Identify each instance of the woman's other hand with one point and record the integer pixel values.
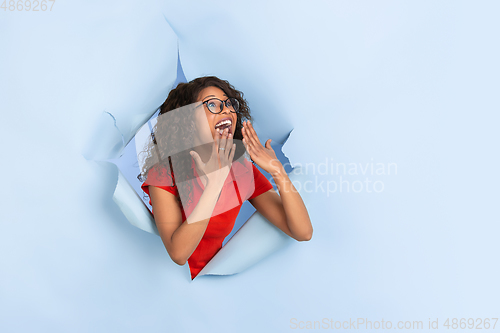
(216, 170)
(265, 157)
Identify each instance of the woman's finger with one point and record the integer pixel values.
(197, 159)
(222, 146)
(248, 147)
(217, 153)
(229, 144)
(215, 149)
(245, 144)
(251, 139)
(244, 131)
(231, 156)
(222, 142)
(253, 134)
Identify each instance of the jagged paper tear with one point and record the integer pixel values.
(132, 206)
(255, 240)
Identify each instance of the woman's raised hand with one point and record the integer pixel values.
(265, 157)
(216, 170)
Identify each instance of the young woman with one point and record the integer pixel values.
(195, 188)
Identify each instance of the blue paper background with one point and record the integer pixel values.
(413, 83)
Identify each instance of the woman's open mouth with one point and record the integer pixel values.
(223, 124)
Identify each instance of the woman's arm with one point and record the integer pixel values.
(181, 239)
(287, 210)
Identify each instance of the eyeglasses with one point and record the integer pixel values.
(216, 106)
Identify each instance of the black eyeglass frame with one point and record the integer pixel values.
(234, 110)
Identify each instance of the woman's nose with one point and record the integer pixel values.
(225, 109)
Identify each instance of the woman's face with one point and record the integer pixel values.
(217, 122)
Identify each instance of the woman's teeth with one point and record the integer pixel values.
(226, 122)
(220, 127)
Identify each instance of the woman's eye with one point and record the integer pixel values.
(211, 104)
(234, 104)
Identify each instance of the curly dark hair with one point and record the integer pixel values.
(185, 94)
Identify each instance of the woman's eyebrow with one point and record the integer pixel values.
(214, 96)
(208, 96)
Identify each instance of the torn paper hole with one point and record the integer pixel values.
(257, 239)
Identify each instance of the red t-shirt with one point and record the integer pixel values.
(244, 182)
